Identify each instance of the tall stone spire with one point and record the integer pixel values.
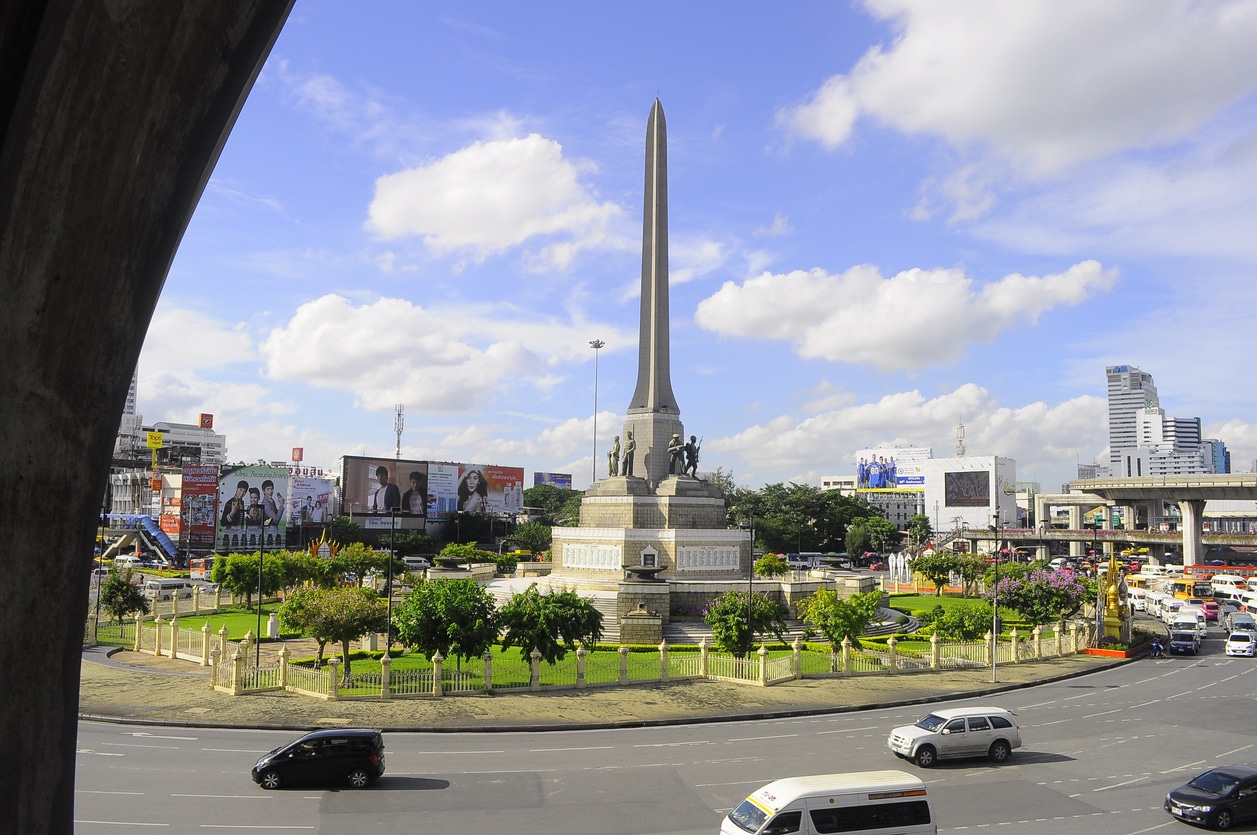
(653, 416)
(654, 376)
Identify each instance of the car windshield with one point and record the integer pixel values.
(1215, 782)
(931, 722)
(748, 816)
(1241, 638)
(1183, 636)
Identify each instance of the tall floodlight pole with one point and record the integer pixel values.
(392, 555)
(257, 646)
(995, 599)
(596, 344)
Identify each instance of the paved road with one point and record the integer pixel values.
(1101, 751)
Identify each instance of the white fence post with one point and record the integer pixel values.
(934, 651)
(205, 643)
(534, 682)
(139, 628)
(1060, 637)
(763, 665)
(623, 664)
(663, 660)
(157, 636)
(386, 664)
(283, 667)
(215, 658)
(990, 649)
(1038, 643)
(488, 670)
(1012, 636)
(333, 680)
(580, 667)
(891, 654)
(846, 656)
(437, 684)
(703, 657)
(796, 660)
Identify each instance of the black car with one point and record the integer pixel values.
(1219, 798)
(1184, 643)
(354, 756)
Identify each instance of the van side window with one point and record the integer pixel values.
(784, 823)
(874, 816)
(1000, 722)
(956, 726)
(979, 723)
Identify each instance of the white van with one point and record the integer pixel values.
(1227, 585)
(1170, 608)
(1248, 601)
(167, 588)
(1190, 620)
(1154, 602)
(854, 803)
(1150, 570)
(1138, 599)
(126, 561)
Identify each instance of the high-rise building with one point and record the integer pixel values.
(1130, 392)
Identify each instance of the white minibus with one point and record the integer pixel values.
(1138, 599)
(1154, 603)
(167, 588)
(854, 803)
(1227, 585)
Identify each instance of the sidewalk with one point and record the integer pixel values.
(129, 687)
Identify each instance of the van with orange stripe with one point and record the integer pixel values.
(853, 803)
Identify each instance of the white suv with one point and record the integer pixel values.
(958, 732)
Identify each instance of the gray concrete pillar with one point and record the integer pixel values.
(1192, 510)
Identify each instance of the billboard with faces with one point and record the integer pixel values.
(489, 488)
(309, 500)
(378, 485)
(198, 504)
(252, 512)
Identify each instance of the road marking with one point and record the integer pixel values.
(735, 783)
(1176, 695)
(435, 753)
(1181, 767)
(590, 748)
(1234, 750)
(1119, 785)
(1103, 713)
(118, 823)
(99, 791)
(252, 826)
(227, 796)
(159, 736)
(672, 744)
(1040, 704)
(757, 738)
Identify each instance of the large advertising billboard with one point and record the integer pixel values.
(310, 500)
(488, 488)
(252, 508)
(891, 468)
(563, 480)
(378, 485)
(971, 488)
(199, 505)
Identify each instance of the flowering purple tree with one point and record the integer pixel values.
(1042, 596)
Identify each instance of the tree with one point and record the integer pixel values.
(533, 536)
(344, 530)
(771, 565)
(238, 574)
(963, 621)
(453, 617)
(971, 568)
(550, 623)
(857, 540)
(338, 616)
(120, 597)
(1042, 596)
(553, 505)
(799, 517)
(727, 617)
(883, 535)
(919, 528)
(937, 568)
(837, 619)
(356, 561)
(298, 615)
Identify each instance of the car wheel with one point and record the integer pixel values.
(926, 756)
(999, 751)
(1222, 819)
(359, 778)
(271, 780)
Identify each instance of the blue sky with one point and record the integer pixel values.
(886, 218)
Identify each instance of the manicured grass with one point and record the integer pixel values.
(237, 620)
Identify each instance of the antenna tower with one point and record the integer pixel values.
(960, 439)
(398, 423)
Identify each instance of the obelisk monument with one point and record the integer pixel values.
(653, 416)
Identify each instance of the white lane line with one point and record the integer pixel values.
(670, 744)
(159, 747)
(101, 791)
(1040, 704)
(252, 827)
(116, 823)
(757, 738)
(1234, 750)
(590, 748)
(227, 796)
(437, 753)
(850, 730)
(736, 783)
(1176, 695)
(1119, 785)
(1103, 713)
(1181, 767)
(159, 736)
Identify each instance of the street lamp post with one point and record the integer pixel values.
(995, 600)
(392, 555)
(257, 646)
(596, 344)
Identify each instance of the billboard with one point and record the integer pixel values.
(890, 468)
(443, 485)
(199, 505)
(971, 488)
(377, 485)
(488, 488)
(563, 480)
(252, 508)
(309, 500)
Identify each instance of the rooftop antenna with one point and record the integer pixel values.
(398, 423)
(960, 439)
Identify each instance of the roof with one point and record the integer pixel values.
(780, 793)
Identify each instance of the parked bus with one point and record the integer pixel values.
(200, 567)
(1185, 587)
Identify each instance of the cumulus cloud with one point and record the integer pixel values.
(1045, 83)
(1044, 439)
(180, 340)
(826, 316)
(446, 361)
(492, 196)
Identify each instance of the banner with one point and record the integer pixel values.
(443, 484)
(563, 480)
(309, 500)
(199, 505)
(252, 509)
(488, 488)
(377, 485)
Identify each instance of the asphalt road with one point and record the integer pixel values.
(1100, 753)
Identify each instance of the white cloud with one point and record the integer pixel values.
(827, 316)
(1044, 439)
(779, 226)
(492, 196)
(440, 361)
(180, 340)
(1045, 83)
